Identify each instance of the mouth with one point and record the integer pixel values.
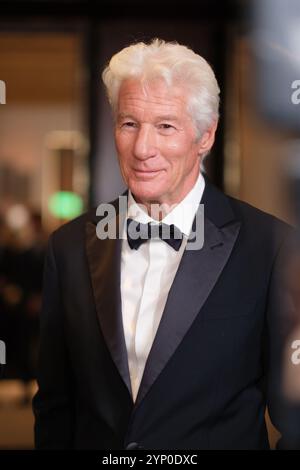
(146, 173)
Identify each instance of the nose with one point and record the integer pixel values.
(145, 143)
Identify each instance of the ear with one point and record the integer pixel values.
(206, 142)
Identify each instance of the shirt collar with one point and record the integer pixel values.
(182, 215)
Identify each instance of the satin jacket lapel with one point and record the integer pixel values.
(197, 274)
(104, 259)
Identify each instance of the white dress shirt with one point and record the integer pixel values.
(146, 278)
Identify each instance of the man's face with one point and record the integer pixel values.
(156, 141)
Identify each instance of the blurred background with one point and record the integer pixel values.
(57, 156)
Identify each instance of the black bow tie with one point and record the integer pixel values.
(138, 233)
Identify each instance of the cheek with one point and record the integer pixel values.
(119, 143)
(123, 149)
(174, 145)
(177, 151)
(182, 157)
(180, 142)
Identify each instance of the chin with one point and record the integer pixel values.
(145, 191)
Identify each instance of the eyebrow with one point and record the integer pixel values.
(167, 117)
(125, 116)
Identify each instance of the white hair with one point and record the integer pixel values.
(176, 64)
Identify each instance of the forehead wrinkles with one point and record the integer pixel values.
(152, 103)
(153, 92)
(138, 102)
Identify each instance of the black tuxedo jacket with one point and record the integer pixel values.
(213, 364)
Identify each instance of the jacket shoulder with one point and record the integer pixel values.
(250, 214)
(260, 227)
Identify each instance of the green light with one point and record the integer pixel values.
(65, 205)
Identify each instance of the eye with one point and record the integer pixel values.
(166, 129)
(166, 126)
(129, 124)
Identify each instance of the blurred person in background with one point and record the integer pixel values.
(146, 344)
(21, 268)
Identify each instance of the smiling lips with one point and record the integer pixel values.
(146, 173)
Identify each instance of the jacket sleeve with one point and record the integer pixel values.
(52, 404)
(282, 321)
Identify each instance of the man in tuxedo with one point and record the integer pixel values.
(153, 341)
